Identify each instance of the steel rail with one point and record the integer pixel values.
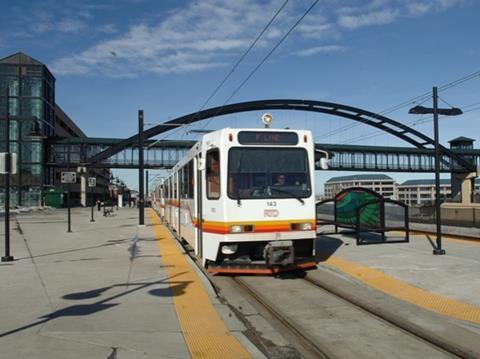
(307, 347)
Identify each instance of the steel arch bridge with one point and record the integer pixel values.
(380, 122)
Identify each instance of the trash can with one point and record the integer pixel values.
(54, 197)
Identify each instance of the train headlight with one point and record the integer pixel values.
(306, 226)
(237, 228)
(229, 248)
(241, 228)
(267, 119)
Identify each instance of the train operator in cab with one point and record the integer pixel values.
(280, 180)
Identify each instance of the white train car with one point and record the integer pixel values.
(244, 201)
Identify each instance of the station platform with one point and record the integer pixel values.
(109, 289)
(437, 295)
(455, 275)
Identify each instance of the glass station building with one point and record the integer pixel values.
(31, 96)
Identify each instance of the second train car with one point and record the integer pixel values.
(244, 200)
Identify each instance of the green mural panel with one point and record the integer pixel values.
(348, 202)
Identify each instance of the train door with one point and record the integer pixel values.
(187, 205)
(199, 168)
(169, 201)
(211, 204)
(179, 201)
(160, 200)
(175, 202)
(170, 219)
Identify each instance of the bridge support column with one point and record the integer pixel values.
(463, 186)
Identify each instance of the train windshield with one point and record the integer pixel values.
(268, 173)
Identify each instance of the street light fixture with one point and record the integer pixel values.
(420, 110)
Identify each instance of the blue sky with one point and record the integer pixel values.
(111, 58)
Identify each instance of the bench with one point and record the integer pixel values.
(108, 208)
(107, 212)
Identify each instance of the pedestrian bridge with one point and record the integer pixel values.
(166, 153)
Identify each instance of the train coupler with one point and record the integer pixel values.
(279, 253)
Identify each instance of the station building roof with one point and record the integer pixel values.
(462, 139)
(428, 181)
(363, 177)
(424, 182)
(20, 58)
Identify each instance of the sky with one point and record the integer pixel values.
(112, 58)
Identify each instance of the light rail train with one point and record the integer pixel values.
(244, 200)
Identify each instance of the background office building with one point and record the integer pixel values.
(380, 183)
(31, 96)
(421, 192)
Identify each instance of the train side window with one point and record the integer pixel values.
(213, 174)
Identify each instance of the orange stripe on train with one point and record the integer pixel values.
(258, 227)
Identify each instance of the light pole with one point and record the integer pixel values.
(7, 257)
(420, 110)
(140, 169)
(69, 215)
(146, 185)
(92, 199)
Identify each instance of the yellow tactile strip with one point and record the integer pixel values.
(407, 292)
(204, 331)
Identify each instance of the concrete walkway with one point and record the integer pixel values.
(98, 292)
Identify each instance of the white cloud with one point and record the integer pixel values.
(107, 29)
(48, 18)
(317, 30)
(71, 25)
(213, 33)
(190, 39)
(381, 17)
(328, 49)
(381, 12)
(417, 8)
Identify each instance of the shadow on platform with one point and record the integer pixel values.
(173, 289)
(325, 246)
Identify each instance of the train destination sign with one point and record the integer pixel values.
(267, 138)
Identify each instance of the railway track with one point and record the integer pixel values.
(306, 345)
(330, 335)
(338, 327)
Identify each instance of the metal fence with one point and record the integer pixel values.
(451, 216)
(459, 217)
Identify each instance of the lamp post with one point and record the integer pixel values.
(7, 257)
(420, 110)
(92, 197)
(140, 169)
(146, 186)
(69, 214)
